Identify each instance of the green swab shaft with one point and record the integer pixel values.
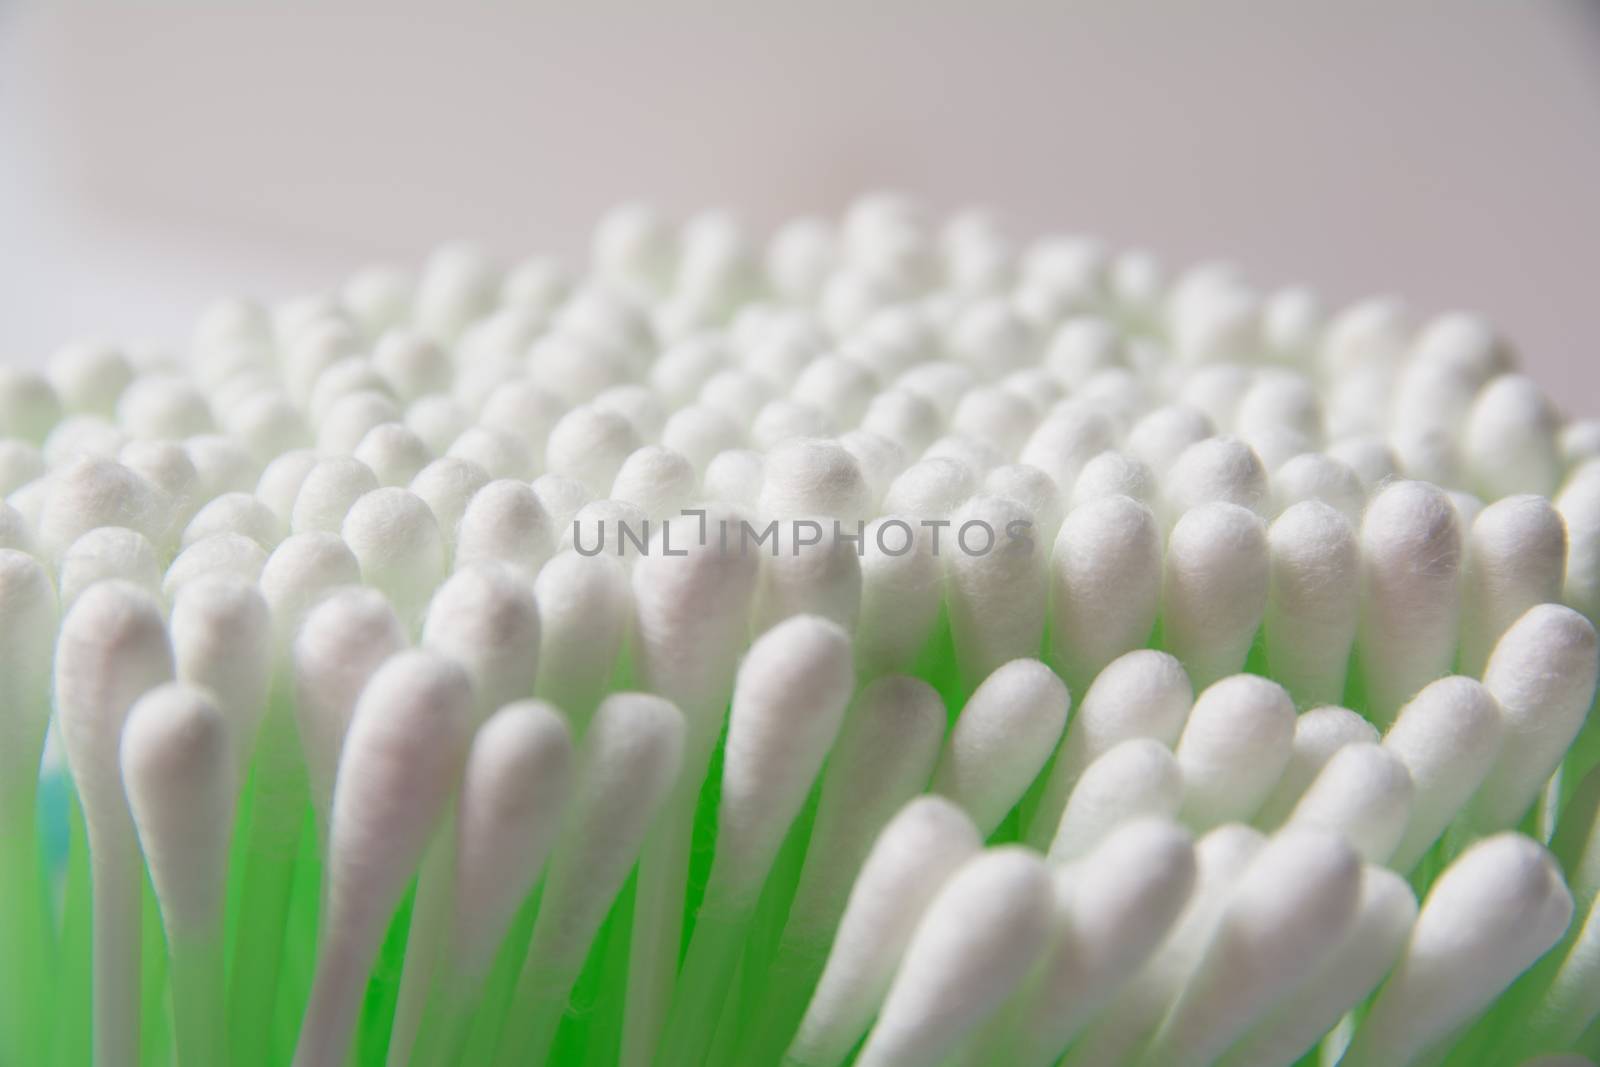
(658, 923)
(28, 974)
(708, 973)
(198, 1000)
(71, 1042)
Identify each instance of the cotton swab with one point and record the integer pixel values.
(1516, 555)
(1144, 693)
(584, 607)
(1318, 735)
(1579, 505)
(691, 620)
(1542, 673)
(630, 758)
(1112, 911)
(813, 570)
(1493, 912)
(221, 554)
(112, 649)
(1289, 911)
(932, 488)
(902, 584)
(1411, 558)
(1139, 778)
(28, 614)
(1105, 585)
(401, 762)
(483, 618)
(98, 492)
(1376, 937)
(974, 944)
(514, 790)
(235, 513)
(1234, 747)
(505, 522)
(222, 641)
(1313, 601)
(1509, 439)
(1317, 476)
(1214, 588)
(811, 477)
(788, 704)
(327, 493)
(447, 486)
(1363, 793)
(884, 755)
(1001, 740)
(1222, 469)
(919, 850)
(106, 553)
(1448, 736)
(396, 539)
(1113, 474)
(181, 768)
(341, 644)
(1129, 1019)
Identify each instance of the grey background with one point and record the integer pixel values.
(153, 156)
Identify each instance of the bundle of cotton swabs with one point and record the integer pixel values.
(884, 644)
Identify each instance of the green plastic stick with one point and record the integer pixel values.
(28, 975)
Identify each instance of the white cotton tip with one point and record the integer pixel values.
(610, 528)
(1364, 794)
(1001, 740)
(1490, 915)
(90, 493)
(1579, 505)
(540, 282)
(396, 539)
(1137, 1008)
(683, 369)
(28, 612)
(1313, 601)
(799, 257)
(340, 645)
(1235, 745)
(1510, 439)
(1371, 946)
(1069, 437)
(1160, 437)
(401, 767)
(930, 489)
(1290, 911)
(1516, 557)
(1318, 735)
(328, 492)
(1081, 347)
(313, 349)
(904, 417)
(1448, 737)
(457, 287)
(812, 568)
(438, 419)
(1317, 476)
(330, 401)
(20, 463)
(839, 385)
(350, 418)
(411, 364)
(89, 377)
(1112, 912)
(1216, 469)
(735, 477)
(575, 368)
(996, 416)
(1410, 603)
(691, 622)
(240, 513)
(698, 432)
(1034, 490)
(505, 523)
(880, 460)
(1114, 474)
(1105, 585)
(1215, 323)
(1375, 330)
(378, 298)
(589, 445)
(1542, 674)
(1140, 694)
(265, 421)
(163, 406)
(448, 486)
(656, 480)
(902, 587)
(884, 756)
(281, 480)
(813, 477)
(995, 580)
(526, 410)
(1291, 323)
(911, 860)
(1580, 441)
(1215, 389)
(107, 553)
(300, 571)
(1214, 588)
(222, 642)
(82, 437)
(1135, 779)
(940, 382)
(182, 779)
(1452, 358)
(484, 617)
(584, 608)
(788, 704)
(514, 790)
(221, 465)
(1280, 415)
(976, 942)
(500, 454)
(15, 531)
(394, 451)
(627, 764)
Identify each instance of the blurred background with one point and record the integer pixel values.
(154, 156)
